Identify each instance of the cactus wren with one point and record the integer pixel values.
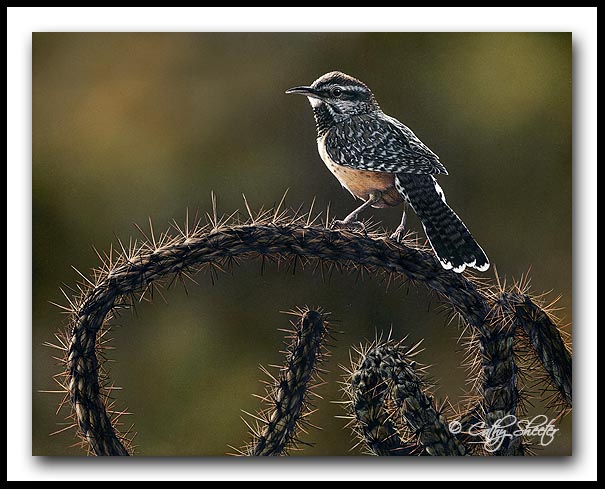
(382, 162)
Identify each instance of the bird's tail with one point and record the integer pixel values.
(451, 240)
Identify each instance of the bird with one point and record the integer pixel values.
(382, 162)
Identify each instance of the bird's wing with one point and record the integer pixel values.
(381, 144)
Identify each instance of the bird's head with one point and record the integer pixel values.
(342, 95)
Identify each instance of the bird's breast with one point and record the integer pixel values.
(360, 183)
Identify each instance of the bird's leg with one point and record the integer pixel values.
(351, 220)
(400, 231)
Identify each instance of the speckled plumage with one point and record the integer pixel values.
(381, 161)
(377, 142)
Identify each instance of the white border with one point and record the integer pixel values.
(22, 21)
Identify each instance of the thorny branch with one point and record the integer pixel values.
(493, 315)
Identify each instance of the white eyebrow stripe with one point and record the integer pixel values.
(356, 88)
(347, 88)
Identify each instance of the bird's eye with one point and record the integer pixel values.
(336, 92)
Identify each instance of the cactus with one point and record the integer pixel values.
(388, 401)
(287, 400)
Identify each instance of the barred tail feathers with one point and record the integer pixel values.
(452, 242)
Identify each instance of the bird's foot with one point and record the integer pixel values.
(398, 235)
(349, 224)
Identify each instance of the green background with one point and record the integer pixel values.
(130, 126)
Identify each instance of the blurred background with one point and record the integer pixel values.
(132, 126)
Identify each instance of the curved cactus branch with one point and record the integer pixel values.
(287, 396)
(218, 245)
(499, 385)
(545, 340)
(369, 398)
(403, 398)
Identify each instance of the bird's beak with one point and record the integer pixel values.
(306, 91)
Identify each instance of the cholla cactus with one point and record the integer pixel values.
(276, 428)
(391, 409)
(384, 379)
